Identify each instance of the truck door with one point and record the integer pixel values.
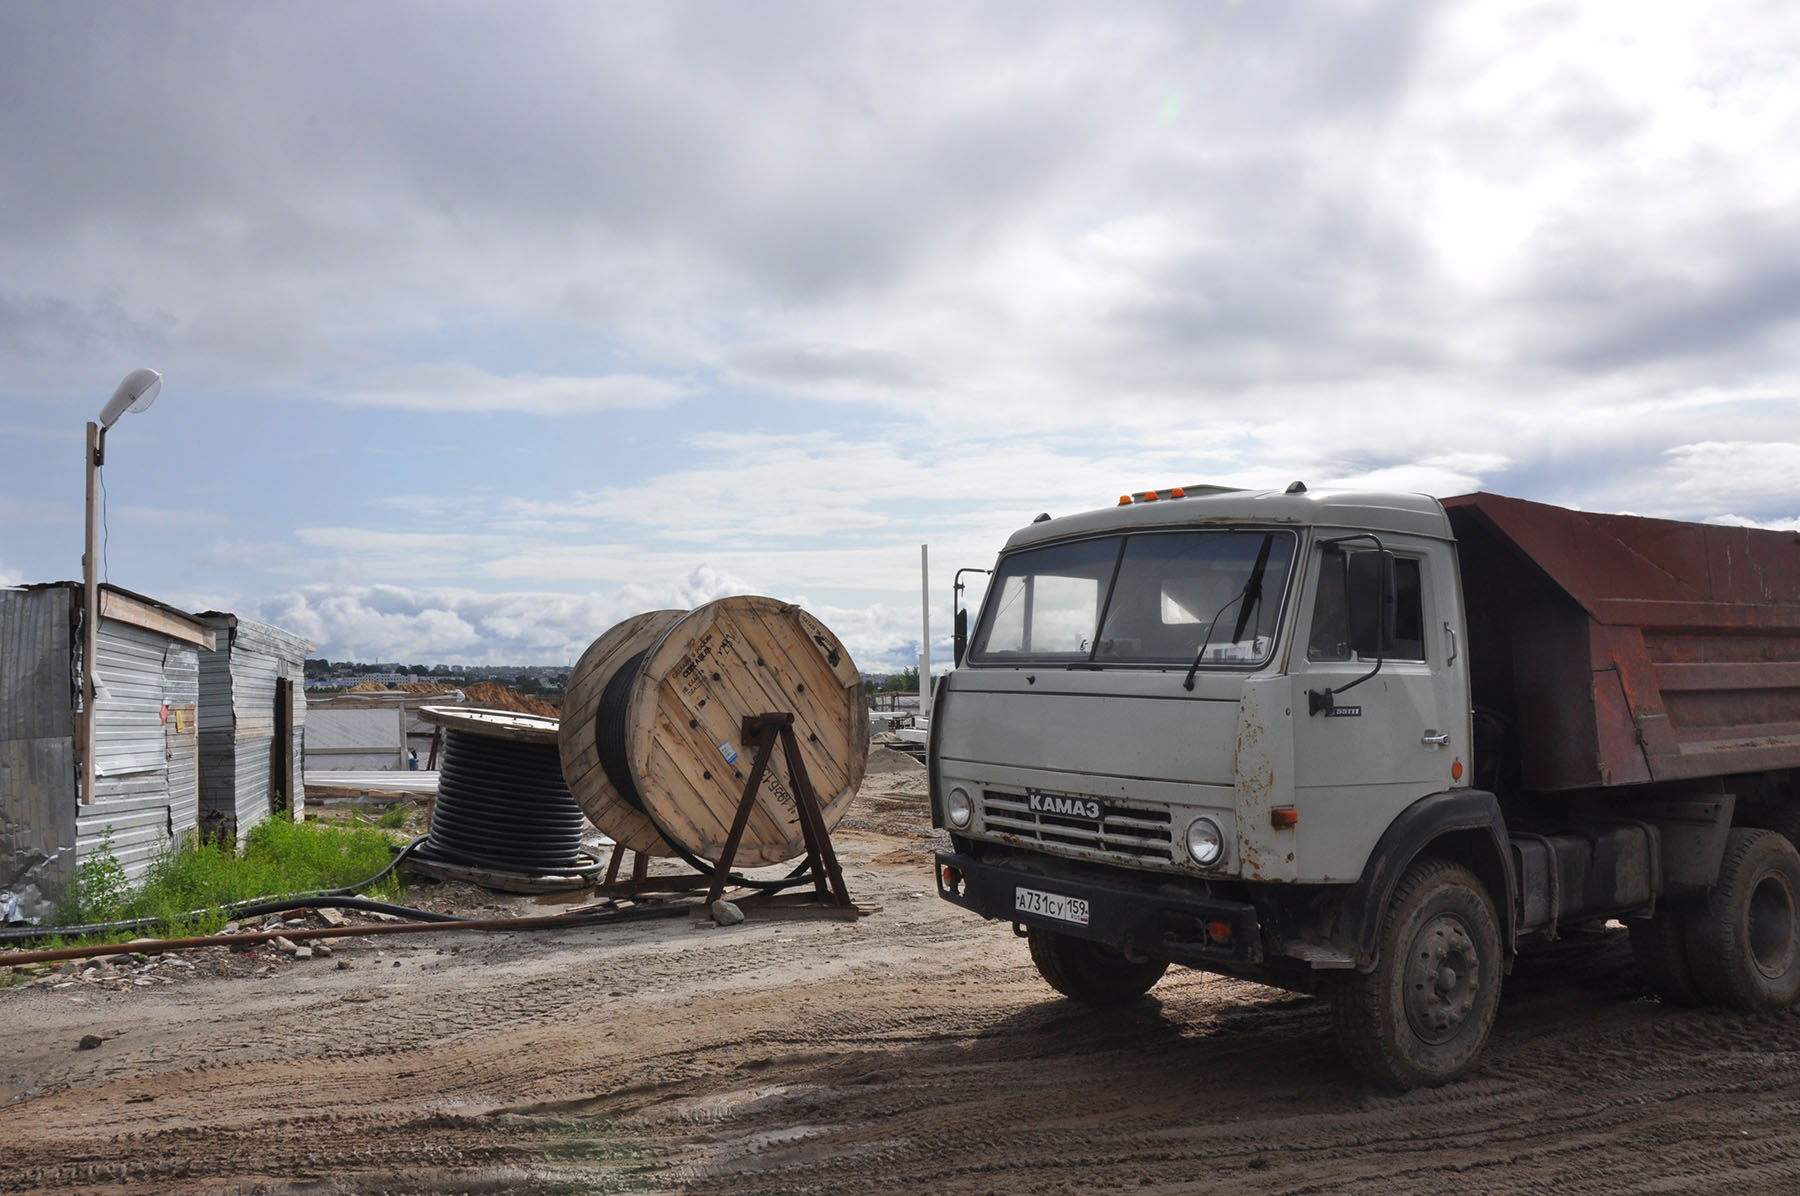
(1389, 740)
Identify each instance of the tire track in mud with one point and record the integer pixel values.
(915, 1051)
(1245, 1090)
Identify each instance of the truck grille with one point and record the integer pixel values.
(1139, 831)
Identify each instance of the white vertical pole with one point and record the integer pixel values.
(90, 623)
(925, 639)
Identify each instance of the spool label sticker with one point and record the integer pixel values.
(730, 753)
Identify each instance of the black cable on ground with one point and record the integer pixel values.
(801, 875)
(584, 919)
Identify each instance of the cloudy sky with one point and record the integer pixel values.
(484, 325)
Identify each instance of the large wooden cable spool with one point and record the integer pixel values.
(652, 731)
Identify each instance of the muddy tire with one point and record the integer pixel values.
(1744, 947)
(1089, 973)
(1660, 946)
(1422, 1015)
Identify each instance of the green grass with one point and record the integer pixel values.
(279, 857)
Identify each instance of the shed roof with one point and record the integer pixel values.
(137, 610)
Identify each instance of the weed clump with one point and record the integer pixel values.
(189, 884)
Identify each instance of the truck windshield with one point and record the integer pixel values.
(1146, 598)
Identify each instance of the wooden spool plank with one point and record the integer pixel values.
(675, 764)
(828, 688)
(494, 724)
(678, 685)
(582, 771)
(828, 766)
(702, 744)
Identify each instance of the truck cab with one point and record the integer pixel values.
(1234, 730)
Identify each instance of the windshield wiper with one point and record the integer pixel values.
(1248, 599)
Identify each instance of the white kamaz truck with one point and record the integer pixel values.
(1372, 745)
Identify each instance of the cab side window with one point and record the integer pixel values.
(1329, 638)
(1330, 635)
(1409, 615)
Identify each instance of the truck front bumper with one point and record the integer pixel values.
(1151, 916)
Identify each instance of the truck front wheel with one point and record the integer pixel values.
(1087, 972)
(1421, 1016)
(1744, 946)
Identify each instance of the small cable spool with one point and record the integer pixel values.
(502, 802)
(651, 736)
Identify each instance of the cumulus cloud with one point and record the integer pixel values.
(808, 284)
(1778, 525)
(385, 622)
(371, 623)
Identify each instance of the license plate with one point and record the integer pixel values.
(1051, 905)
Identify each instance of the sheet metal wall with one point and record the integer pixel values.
(238, 722)
(37, 750)
(361, 738)
(146, 772)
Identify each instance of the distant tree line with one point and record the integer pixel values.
(531, 679)
(906, 681)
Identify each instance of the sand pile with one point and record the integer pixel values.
(491, 695)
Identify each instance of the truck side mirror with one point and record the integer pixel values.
(1371, 603)
(962, 634)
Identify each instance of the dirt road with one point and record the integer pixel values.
(914, 1051)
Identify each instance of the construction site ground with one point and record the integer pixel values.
(913, 1051)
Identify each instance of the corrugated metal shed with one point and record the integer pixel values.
(252, 723)
(146, 753)
(37, 749)
(146, 790)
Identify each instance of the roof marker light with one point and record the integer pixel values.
(1178, 492)
(1124, 500)
(1150, 496)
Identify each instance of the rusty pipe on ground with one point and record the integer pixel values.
(244, 938)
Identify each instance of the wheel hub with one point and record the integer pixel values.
(1774, 931)
(1443, 979)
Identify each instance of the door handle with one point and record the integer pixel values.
(1435, 739)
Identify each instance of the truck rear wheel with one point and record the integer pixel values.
(1660, 946)
(1745, 945)
(1421, 1016)
(1087, 972)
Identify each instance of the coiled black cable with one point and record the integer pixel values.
(609, 732)
(503, 805)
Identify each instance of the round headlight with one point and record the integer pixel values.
(960, 808)
(1205, 841)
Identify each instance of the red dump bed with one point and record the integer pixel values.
(1615, 650)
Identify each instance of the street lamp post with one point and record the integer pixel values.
(138, 390)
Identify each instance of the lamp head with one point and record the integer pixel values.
(135, 393)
